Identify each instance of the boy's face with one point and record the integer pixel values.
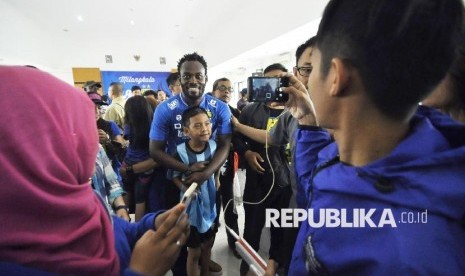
(199, 128)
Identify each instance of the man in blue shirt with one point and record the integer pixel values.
(166, 131)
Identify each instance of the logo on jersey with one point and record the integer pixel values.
(271, 123)
(172, 105)
(177, 126)
(178, 117)
(212, 102)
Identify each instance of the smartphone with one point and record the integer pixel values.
(188, 195)
(267, 89)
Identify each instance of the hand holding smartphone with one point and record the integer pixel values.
(267, 89)
(188, 195)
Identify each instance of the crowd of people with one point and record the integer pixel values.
(351, 137)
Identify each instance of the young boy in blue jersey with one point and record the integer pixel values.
(202, 210)
(373, 62)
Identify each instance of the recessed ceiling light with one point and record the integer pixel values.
(132, 22)
(80, 18)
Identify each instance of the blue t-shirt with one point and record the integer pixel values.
(134, 155)
(166, 124)
(114, 128)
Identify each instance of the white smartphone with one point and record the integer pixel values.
(188, 195)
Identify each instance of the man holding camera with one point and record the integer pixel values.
(270, 188)
(282, 133)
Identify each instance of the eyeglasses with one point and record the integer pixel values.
(223, 88)
(304, 71)
(198, 76)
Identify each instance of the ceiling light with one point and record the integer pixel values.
(80, 18)
(132, 22)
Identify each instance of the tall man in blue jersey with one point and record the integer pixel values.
(166, 132)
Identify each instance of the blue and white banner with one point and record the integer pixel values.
(146, 80)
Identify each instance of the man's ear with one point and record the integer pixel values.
(340, 77)
(185, 130)
(206, 78)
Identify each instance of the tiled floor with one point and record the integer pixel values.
(223, 255)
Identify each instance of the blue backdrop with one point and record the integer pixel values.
(146, 80)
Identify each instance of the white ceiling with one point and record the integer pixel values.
(231, 34)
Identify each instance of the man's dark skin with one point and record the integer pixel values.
(192, 90)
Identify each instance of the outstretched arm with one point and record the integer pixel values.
(258, 135)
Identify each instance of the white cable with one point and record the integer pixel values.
(272, 173)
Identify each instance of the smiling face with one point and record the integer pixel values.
(199, 128)
(193, 79)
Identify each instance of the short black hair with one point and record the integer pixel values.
(401, 49)
(243, 92)
(135, 87)
(192, 57)
(275, 66)
(149, 92)
(172, 78)
(191, 112)
(215, 84)
(300, 50)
